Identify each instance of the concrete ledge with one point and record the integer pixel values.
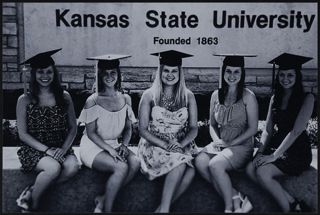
(142, 195)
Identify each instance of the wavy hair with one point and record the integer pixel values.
(222, 92)
(55, 87)
(180, 89)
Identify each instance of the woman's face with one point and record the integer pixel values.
(232, 75)
(109, 77)
(170, 75)
(44, 77)
(287, 78)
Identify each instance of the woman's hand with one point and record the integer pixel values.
(115, 155)
(174, 146)
(123, 151)
(59, 154)
(256, 159)
(265, 159)
(52, 152)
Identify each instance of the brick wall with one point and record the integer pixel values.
(199, 80)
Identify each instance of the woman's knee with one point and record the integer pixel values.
(71, 166)
(217, 166)
(201, 161)
(52, 168)
(121, 168)
(264, 173)
(134, 163)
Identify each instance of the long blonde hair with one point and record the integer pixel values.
(180, 91)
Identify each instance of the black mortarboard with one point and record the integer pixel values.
(287, 61)
(171, 57)
(234, 59)
(108, 61)
(41, 60)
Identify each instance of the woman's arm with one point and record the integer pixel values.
(299, 126)
(21, 111)
(213, 129)
(144, 118)
(267, 132)
(193, 121)
(72, 123)
(252, 114)
(127, 132)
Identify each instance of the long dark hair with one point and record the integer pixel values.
(296, 98)
(55, 87)
(117, 85)
(222, 92)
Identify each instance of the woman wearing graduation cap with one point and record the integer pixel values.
(108, 117)
(285, 148)
(168, 126)
(47, 127)
(233, 122)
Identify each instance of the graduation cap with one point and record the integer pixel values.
(171, 57)
(108, 61)
(287, 61)
(41, 61)
(234, 60)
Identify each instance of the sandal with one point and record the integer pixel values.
(98, 203)
(295, 206)
(245, 206)
(23, 201)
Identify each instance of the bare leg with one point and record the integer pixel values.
(218, 167)
(105, 163)
(49, 171)
(252, 173)
(184, 183)
(170, 185)
(202, 165)
(266, 174)
(134, 166)
(70, 167)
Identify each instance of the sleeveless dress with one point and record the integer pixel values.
(110, 125)
(47, 124)
(232, 122)
(166, 125)
(298, 156)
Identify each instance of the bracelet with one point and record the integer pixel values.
(45, 151)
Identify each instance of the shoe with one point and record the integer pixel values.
(295, 206)
(23, 201)
(245, 206)
(227, 211)
(98, 204)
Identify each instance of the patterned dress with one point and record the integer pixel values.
(232, 122)
(166, 125)
(298, 156)
(47, 124)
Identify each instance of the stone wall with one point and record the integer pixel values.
(135, 79)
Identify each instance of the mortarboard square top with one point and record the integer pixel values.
(108, 61)
(235, 60)
(171, 57)
(289, 61)
(41, 60)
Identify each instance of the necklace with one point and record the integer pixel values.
(167, 101)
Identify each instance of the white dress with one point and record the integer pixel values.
(110, 125)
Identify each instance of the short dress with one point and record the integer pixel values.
(47, 124)
(110, 125)
(232, 122)
(298, 156)
(166, 125)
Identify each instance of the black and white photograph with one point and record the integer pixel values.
(160, 107)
